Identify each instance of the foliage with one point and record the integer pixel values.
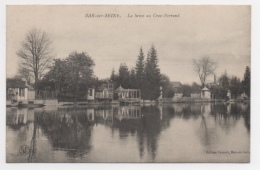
(235, 87)
(167, 89)
(246, 81)
(73, 75)
(152, 76)
(123, 76)
(139, 69)
(187, 89)
(145, 76)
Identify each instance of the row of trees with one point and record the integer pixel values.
(145, 75)
(70, 77)
(234, 84)
(205, 67)
(74, 74)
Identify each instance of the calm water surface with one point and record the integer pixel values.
(159, 133)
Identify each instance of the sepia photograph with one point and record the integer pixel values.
(128, 83)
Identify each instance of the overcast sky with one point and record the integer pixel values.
(219, 32)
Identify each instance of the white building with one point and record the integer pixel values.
(20, 91)
(205, 93)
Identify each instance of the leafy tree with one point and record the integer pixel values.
(235, 87)
(123, 76)
(223, 86)
(246, 81)
(204, 67)
(167, 89)
(73, 75)
(80, 75)
(57, 75)
(35, 53)
(224, 81)
(132, 79)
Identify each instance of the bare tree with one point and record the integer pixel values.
(35, 53)
(204, 67)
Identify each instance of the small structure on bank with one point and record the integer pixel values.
(205, 93)
(178, 95)
(229, 94)
(195, 94)
(176, 85)
(20, 92)
(102, 93)
(128, 96)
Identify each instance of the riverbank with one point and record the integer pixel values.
(41, 103)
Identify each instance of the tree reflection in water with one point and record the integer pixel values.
(70, 129)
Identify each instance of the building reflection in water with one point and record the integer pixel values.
(69, 129)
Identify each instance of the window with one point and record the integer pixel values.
(21, 92)
(110, 86)
(90, 92)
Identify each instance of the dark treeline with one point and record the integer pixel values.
(145, 75)
(71, 77)
(232, 83)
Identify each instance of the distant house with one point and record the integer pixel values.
(178, 93)
(195, 94)
(212, 84)
(19, 91)
(91, 94)
(205, 93)
(176, 85)
(229, 94)
(128, 95)
(243, 96)
(103, 92)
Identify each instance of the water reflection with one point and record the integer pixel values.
(56, 130)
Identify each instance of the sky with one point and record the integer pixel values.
(222, 33)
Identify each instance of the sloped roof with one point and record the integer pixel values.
(205, 89)
(102, 87)
(11, 83)
(120, 88)
(29, 87)
(176, 84)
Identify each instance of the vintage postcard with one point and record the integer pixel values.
(128, 83)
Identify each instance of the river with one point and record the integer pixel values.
(153, 133)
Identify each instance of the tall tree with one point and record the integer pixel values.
(246, 81)
(224, 85)
(80, 73)
(113, 75)
(57, 75)
(167, 88)
(224, 81)
(204, 67)
(139, 69)
(235, 86)
(123, 76)
(152, 76)
(35, 53)
(72, 75)
(132, 79)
